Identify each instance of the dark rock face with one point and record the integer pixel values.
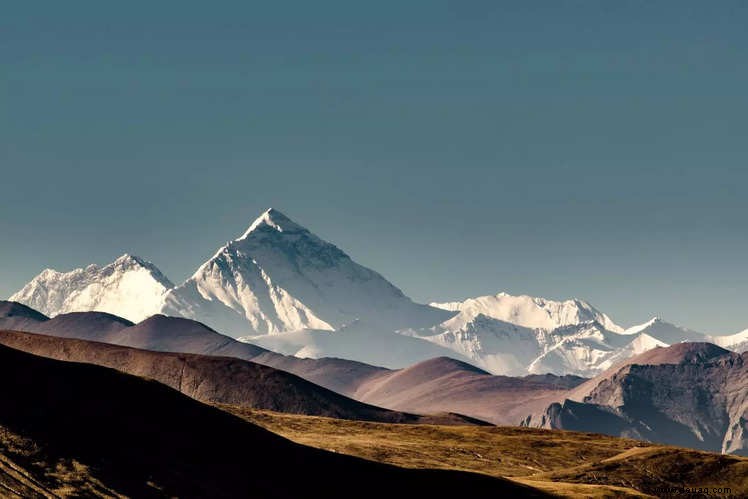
(697, 396)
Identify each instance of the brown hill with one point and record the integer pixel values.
(663, 472)
(440, 385)
(445, 384)
(224, 380)
(15, 315)
(80, 429)
(172, 334)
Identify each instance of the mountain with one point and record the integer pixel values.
(666, 332)
(129, 287)
(358, 342)
(213, 379)
(15, 315)
(516, 335)
(529, 312)
(278, 277)
(689, 394)
(444, 384)
(439, 385)
(497, 346)
(583, 349)
(736, 342)
(173, 334)
(283, 288)
(84, 430)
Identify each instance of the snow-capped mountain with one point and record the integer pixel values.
(583, 349)
(530, 311)
(588, 349)
(736, 342)
(494, 345)
(279, 277)
(517, 335)
(666, 332)
(280, 286)
(129, 287)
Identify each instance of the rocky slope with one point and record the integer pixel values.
(690, 394)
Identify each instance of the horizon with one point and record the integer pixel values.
(558, 151)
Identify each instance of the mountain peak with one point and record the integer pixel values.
(275, 220)
(666, 332)
(130, 260)
(530, 311)
(130, 287)
(280, 277)
(654, 321)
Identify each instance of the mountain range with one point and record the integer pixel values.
(689, 394)
(283, 288)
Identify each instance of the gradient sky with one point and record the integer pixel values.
(560, 148)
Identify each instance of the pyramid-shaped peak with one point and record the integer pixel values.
(273, 219)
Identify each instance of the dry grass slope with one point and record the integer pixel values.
(565, 463)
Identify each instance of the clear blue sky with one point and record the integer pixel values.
(559, 148)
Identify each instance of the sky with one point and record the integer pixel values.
(553, 148)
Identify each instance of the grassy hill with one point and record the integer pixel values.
(566, 463)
